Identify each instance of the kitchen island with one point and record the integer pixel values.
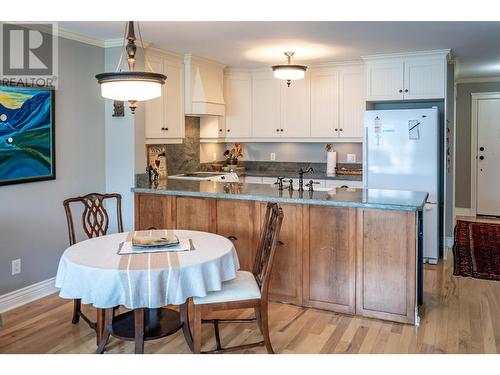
(354, 251)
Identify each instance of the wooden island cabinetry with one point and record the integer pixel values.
(349, 260)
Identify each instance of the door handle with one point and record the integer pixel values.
(232, 238)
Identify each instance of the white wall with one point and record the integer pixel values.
(32, 221)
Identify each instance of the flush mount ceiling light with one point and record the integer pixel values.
(131, 86)
(289, 71)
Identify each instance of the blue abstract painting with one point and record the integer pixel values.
(26, 135)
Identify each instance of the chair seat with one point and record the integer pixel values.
(243, 287)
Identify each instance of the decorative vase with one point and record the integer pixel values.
(232, 161)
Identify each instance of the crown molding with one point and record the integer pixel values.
(63, 33)
(438, 52)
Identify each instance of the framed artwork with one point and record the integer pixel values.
(157, 158)
(27, 135)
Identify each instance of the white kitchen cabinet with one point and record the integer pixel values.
(212, 129)
(324, 103)
(424, 78)
(266, 106)
(351, 103)
(238, 99)
(384, 80)
(413, 76)
(164, 116)
(296, 109)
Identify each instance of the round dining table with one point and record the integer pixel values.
(99, 273)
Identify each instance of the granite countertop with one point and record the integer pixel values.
(342, 197)
(294, 174)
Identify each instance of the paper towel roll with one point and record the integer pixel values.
(331, 162)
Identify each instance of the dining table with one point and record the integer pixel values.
(99, 273)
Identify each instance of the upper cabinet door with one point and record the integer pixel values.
(351, 103)
(173, 98)
(296, 108)
(238, 99)
(384, 80)
(324, 103)
(424, 78)
(154, 108)
(266, 100)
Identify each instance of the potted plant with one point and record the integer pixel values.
(233, 154)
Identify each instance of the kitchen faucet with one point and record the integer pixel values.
(301, 177)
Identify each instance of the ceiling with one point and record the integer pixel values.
(257, 44)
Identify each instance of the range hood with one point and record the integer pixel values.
(203, 85)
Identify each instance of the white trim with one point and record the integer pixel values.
(460, 211)
(449, 242)
(402, 55)
(282, 140)
(63, 33)
(476, 96)
(27, 294)
(477, 80)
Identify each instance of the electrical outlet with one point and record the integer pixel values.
(16, 266)
(272, 156)
(351, 158)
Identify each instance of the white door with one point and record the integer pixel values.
(351, 103)
(488, 157)
(384, 80)
(266, 105)
(296, 108)
(424, 78)
(238, 99)
(324, 103)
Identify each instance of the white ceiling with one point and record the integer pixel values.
(475, 45)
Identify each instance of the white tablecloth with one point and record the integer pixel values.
(93, 271)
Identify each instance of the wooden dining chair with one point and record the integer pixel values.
(95, 223)
(247, 290)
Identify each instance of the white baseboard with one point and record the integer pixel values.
(459, 211)
(27, 294)
(449, 242)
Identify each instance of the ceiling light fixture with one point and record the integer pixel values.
(289, 71)
(131, 86)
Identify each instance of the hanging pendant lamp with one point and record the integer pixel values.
(131, 86)
(289, 71)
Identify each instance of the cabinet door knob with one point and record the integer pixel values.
(400, 91)
(220, 130)
(481, 148)
(281, 130)
(228, 130)
(406, 90)
(341, 129)
(277, 130)
(481, 157)
(336, 129)
(164, 128)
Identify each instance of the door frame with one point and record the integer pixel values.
(476, 96)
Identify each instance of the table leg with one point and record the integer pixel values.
(104, 336)
(184, 317)
(99, 325)
(139, 330)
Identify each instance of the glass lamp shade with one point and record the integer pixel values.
(289, 72)
(131, 86)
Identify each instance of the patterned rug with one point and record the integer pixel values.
(476, 250)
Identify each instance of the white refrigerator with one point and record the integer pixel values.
(401, 152)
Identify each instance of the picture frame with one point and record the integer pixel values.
(156, 156)
(27, 134)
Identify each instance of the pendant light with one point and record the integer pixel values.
(131, 86)
(289, 71)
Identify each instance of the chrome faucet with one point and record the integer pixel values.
(301, 177)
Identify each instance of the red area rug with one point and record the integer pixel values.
(476, 250)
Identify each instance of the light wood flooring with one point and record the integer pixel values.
(461, 316)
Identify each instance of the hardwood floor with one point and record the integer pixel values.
(461, 316)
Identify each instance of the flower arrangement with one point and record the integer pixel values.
(329, 147)
(234, 154)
